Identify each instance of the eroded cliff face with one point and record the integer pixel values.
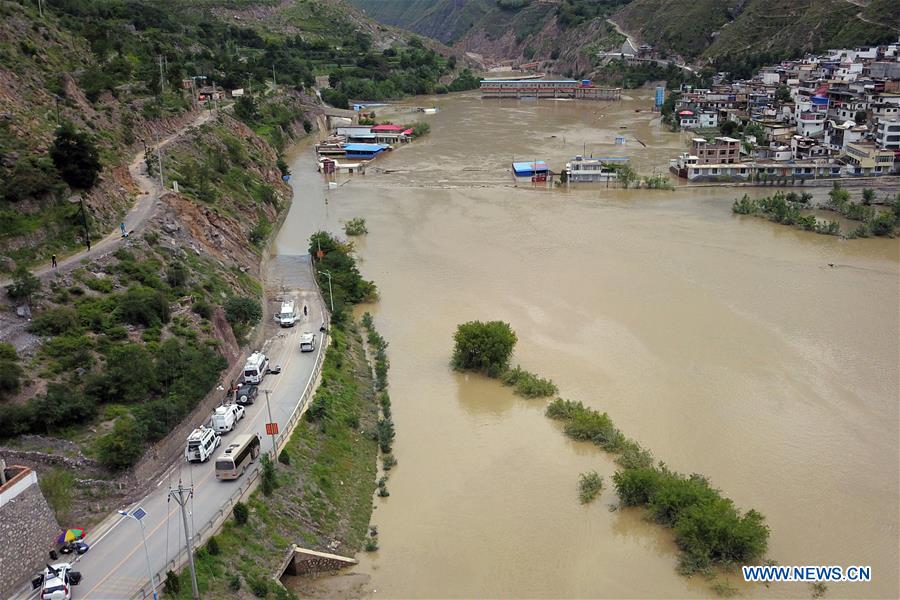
(231, 195)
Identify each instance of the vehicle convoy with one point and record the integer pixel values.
(242, 451)
(201, 444)
(224, 418)
(287, 316)
(255, 368)
(56, 582)
(246, 394)
(307, 342)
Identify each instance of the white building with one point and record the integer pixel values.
(887, 135)
(591, 170)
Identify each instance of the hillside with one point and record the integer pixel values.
(443, 20)
(102, 357)
(710, 29)
(566, 34)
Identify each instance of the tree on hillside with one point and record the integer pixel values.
(75, 157)
(246, 109)
(783, 94)
(757, 131)
(243, 311)
(728, 128)
(24, 285)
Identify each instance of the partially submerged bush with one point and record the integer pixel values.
(483, 346)
(528, 384)
(590, 485)
(708, 528)
(356, 226)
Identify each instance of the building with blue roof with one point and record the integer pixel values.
(366, 151)
(530, 169)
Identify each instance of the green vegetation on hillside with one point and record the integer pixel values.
(135, 62)
(121, 349)
(737, 29)
(572, 13)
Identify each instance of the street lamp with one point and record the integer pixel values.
(330, 292)
(138, 515)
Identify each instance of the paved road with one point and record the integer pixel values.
(115, 567)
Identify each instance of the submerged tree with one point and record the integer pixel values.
(483, 346)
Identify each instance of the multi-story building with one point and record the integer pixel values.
(838, 135)
(887, 135)
(865, 158)
(724, 150)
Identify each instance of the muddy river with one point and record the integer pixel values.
(727, 345)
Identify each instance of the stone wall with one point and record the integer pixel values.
(27, 530)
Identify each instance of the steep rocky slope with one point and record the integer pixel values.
(103, 357)
(569, 32)
(708, 29)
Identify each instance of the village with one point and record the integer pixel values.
(835, 115)
(823, 117)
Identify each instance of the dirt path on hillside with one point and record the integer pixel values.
(142, 209)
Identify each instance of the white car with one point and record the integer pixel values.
(56, 582)
(307, 341)
(224, 418)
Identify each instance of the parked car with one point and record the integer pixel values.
(56, 582)
(201, 444)
(247, 394)
(224, 418)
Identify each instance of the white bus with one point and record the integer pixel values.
(232, 463)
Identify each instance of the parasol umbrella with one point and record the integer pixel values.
(70, 535)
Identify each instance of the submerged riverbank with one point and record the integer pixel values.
(723, 344)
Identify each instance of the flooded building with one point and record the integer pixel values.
(546, 88)
(592, 170)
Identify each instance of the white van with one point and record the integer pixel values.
(307, 342)
(255, 368)
(287, 316)
(224, 418)
(201, 444)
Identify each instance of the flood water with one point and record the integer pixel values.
(727, 345)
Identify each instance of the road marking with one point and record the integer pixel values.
(209, 473)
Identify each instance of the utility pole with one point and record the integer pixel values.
(159, 158)
(178, 495)
(162, 79)
(272, 431)
(274, 83)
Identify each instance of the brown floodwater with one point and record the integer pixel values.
(727, 345)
